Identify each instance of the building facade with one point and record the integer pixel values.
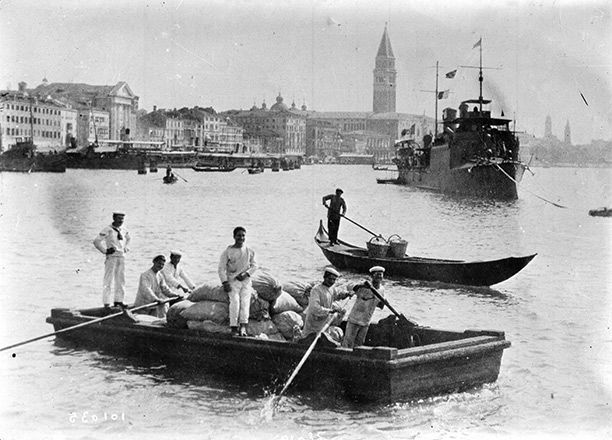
(279, 130)
(118, 101)
(25, 118)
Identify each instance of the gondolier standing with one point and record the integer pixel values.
(113, 241)
(335, 209)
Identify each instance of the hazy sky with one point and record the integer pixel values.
(234, 53)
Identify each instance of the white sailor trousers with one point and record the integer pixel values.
(240, 301)
(114, 272)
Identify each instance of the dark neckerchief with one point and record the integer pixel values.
(119, 236)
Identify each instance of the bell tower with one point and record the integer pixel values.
(384, 77)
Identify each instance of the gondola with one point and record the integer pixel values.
(471, 273)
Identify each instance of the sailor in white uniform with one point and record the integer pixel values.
(113, 241)
(175, 276)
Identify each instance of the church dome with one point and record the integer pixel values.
(279, 106)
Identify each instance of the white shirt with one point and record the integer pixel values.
(235, 260)
(151, 288)
(319, 307)
(109, 237)
(173, 274)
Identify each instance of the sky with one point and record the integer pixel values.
(541, 57)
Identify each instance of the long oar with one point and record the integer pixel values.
(84, 324)
(401, 317)
(357, 224)
(312, 346)
(177, 174)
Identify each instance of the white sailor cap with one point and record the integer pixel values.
(332, 271)
(377, 269)
(177, 253)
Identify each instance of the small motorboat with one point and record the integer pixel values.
(601, 212)
(255, 170)
(472, 273)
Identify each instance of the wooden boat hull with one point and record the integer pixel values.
(473, 273)
(444, 362)
(39, 163)
(212, 169)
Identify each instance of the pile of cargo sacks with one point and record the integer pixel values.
(276, 310)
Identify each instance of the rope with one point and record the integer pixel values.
(531, 192)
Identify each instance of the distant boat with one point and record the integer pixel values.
(255, 170)
(476, 155)
(170, 179)
(601, 212)
(388, 181)
(213, 168)
(23, 157)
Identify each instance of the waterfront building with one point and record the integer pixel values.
(280, 130)
(364, 142)
(231, 135)
(118, 100)
(196, 128)
(93, 127)
(68, 126)
(25, 118)
(323, 139)
(381, 129)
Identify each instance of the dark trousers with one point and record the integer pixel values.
(333, 225)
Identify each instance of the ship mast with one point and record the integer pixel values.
(480, 77)
(436, 110)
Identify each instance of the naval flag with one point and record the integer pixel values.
(443, 94)
(477, 44)
(451, 74)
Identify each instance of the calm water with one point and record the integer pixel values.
(555, 380)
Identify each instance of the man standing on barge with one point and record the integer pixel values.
(113, 241)
(359, 318)
(236, 265)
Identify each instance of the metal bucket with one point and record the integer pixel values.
(397, 246)
(377, 247)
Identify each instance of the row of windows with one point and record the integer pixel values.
(24, 108)
(28, 120)
(27, 132)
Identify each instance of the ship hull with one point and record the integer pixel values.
(47, 163)
(490, 179)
